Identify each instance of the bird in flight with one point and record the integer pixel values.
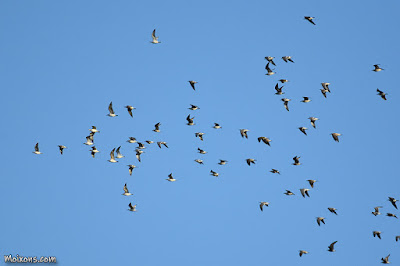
(37, 149)
(119, 155)
(324, 91)
(94, 130)
(193, 107)
(132, 208)
(94, 151)
(283, 80)
(199, 135)
(269, 70)
(199, 161)
(286, 103)
(170, 178)
(192, 82)
(288, 192)
(112, 159)
(301, 252)
(385, 260)
(310, 19)
(157, 127)
(296, 160)
(190, 120)
(153, 36)
(243, 133)
(331, 247)
(270, 59)
(265, 140)
(287, 58)
(391, 215)
(131, 167)
(274, 171)
(131, 140)
(262, 204)
(214, 173)
(377, 233)
(250, 161)
(303, 129)
(278, 89)
(306, 100)
(61, 147)
(393, 201)
(376, 212)
(325, 86)
(217, 126)
(311, 182)
(335, 136)
(382, 94)
(126, 191)
(319, 220)
(111, 111)
(159, 143)
(201, 151)
(377, 68)
(313, 120)
(304, 192)
(222, 162)
(332, 210)
(130, 109)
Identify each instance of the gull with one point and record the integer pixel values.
(131, 140)
(149, 141)
(119, 155)
(157, 127)
(270, 59)
(278, 90)
(311, 182)
(153, 36)
(286, 102)
(112, 160)
(126, 191)
(287, 58)
(303, 129)
(382, 94)
(222, 162)
(393, 201)
(190, 120)
(217, 126)
(332, 210)
(250, 161)
(201, 151)
(159, 143)
(262, 204)
(140, 146)
(270, 72)
(377, 68)
(301, 252)
(397, 238)
(296, 160)
(313, 120)
(274, 171)
(265, 140)
(304, 192)
(331, 247)
(91, 136)
(193, 107)
(288, 192)
(199, 135)
(94, 130)
(391, 215)
(319, 220)
(170, 178)
(283, 80)
(110, 109)
(335, 136)
(376, 212)
(192, 82)
(199, 161)
(131, 167)
(130, 109)
(88, 141)
(325, 85)
(214, 173)
(310, 19)
(37, 149)
(138, 153)
(323, 91)
(306, 100)
(132, 208)
(61, 147)
(94, 151)
(243, 133)
(385, 260)
(377, 233)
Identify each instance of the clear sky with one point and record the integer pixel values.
(62, 62)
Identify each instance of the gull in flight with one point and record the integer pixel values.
(391, 215)
(385, 260)
(324, 91)
(130, 109)
(201, 151)
(286, 103)
(159, 143)
(243, 133)
(157, 127)
(306, 100)
(217, 126)
(331, 247)
(393, 201)
(301, 252)
(222, 162)
(192, 83)
(296, 160)
(138, 153)
(278, 90)
(270, 72)
(304, 192)
(303, 129)
(310, 19)
(262, 204)
(270, 59)
(112, 160)
(287, 58)
(214, 173)
(131, 140)
(190, 120)
(377, 68)
(153, 36)
(288, 192)
(119, 155)
(377, 233)
(199, 161)
(170, 178)
(376, 212)
(283, 80)
(311, 182)
(382, 94)
(193, 107)
(94, 151)
(335, 136)
(61, 147)
(110, 109)
(132, 208)
(250, 161)
(149, 141)
(88, 141)
(37, 149)
(199, 135)
(274, 171)
(332, 210)
(319, 220)
(325, 85)
(313, 120)
(141, 146)
(94, 130)
(131, 167)
(126, 191)
(265, 140)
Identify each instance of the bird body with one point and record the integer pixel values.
(335, 136)
(192, 83)
(243, 133)
(126, 191)
(310, 19)
(112, 157)
(262, 204)
(331, 247)
(111, 111)
(171, 178)
(304, 192)
(154, 38)
(61, 147)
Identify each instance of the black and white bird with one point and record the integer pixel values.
(126, 191)
(262, 204)
(132, 208)
(192, 83)
(325, 86)
(131, 140)
(296, 160)
(154, 38)
(393, 201)
(303, 129)
(324, 91)
(93, 151)
(377, 68)
(313, 120)
(283, 80)
(112, 157)
(159, 143)
(289, 193)
(199, 135)
(111, 111)
(382, 94)
(217, 126)
(61, 147)
(222, 162)
(193, 107)
(201, 151)
(149, 141)
(376, 212)
(89, 141)
(37, 149)
(286, 103)
(270, 59)
(213, 173)
(190, 121)
(94, 130)
(269, 70)
(138, 153)
(385, 260)
(199, 161)
(119, 155)
(131, 167)
(331, 247)
(306, 100)
(157, 127)
(310, 19)
(171, 178)
(278, 89)
(287, 58)
(391, 215)
(130, 109)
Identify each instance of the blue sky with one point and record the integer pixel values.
(64, 61)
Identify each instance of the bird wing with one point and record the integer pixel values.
(110, 108)
(37, 147)
(112, 154)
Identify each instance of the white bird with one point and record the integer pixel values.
(88, 141)
(111, 111)
(94, 130)
(335, 136)
(130, 109)
(132, 208)
(153, 36)
(94, 151)
(304, 192)
(131, 167)
(37, 149)
(126, 191)
(170, 178)
(119, 155)
(61, 147)
(243, 133)
(112, 160)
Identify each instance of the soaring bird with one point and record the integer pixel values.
(126, 191)
(296, 160)
(287, 58)
(138, 153)
(171, 178)
(217, 126)
(131, 140)
(157, 127)
(130, 109)
(313, 120)
(159, 143)
(331, 247)
(391, 215)
(376, 212)
(89, 141)
(262, 204)
(193, 107)
(269, 70)
(190, 120)
(382, 94)
(94, 151)
(222, 162)
(393, 201)
(250, 161)
(131, 167)
(199, 161)
(304, 192)
(214, 173)
(111, 111)
(265, 140)
(385, 260)
(311, 182)
(112, 159)
(319, 220)
(332, 210)
(140, 146)
(94, 130)
(199, 135)
(286, 103)
(274, 171)
(283, 80)
(243, 133)
(278, 90)
(306, 100)
(149, 141)
(132, 208)
(119, 155)
(270, 59)
(335, 136)
(301, 252)
(61, 147)
(201, 151)
(154, 38)
(377, 233)
(310, 19)
(37, 149)
(192, 82)
(377, 68)
(325, 86)
(303, 129)
(288, 192)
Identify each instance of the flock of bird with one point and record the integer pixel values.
(244, 134)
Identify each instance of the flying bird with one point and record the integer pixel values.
(190, 120)
(377, 68)
(311, 182)
(94, 130)
(397, 238)
(306, 100)
(131, 167)
(149, 141)
(222, 162)
(199, 135)
(335, 136)
(270, 72)
(61, 147)
(303, 129)
(391, 215)
(288, 192)
(119, 155)
(112, 159)
(270, 59)
(382, 94)
(376, 212)
(140, 146)
(199, 161)
(262, 204)
(94, 151)
(132, 208)
(250, 161)
(138, 153)
(193, 107)
(296, 160)
(154, 38)
(331, 247)
(89, 141)
(332, 210)
(283, 80)
(325, 86)
(323, 91)
(385, 260)
(214, 173)
(393, 201)
(274, 171)
(313, 120)
(304, 192)
(126, 191)
(217, 126)
(131, 140)
(377, 233)
(111, 111)
(286, 103)
(243, 133)
(159, 143)
(157, 127)
(265, 140)
(310, 19)
(319, 220)
(192, 82)
(201, 151)
(287, 58)
(278, 89)
(130, 109)
(37, 149)
(301, 252)
(170, 178)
